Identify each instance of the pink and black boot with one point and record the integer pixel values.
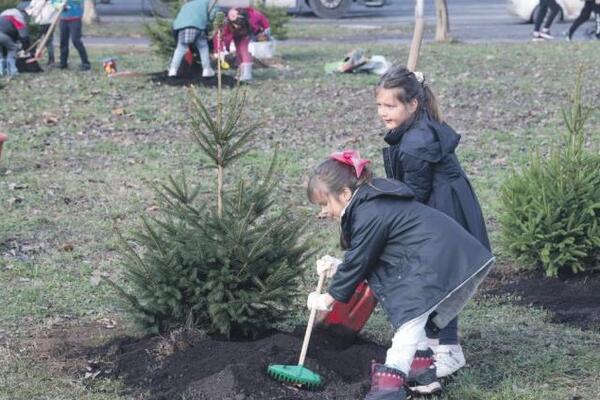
(386, 383)
(422, 378)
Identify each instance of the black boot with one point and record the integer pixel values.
(386, 383)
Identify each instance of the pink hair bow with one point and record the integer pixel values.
(352, 158)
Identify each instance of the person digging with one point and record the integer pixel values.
(14, 34)
(422, 266)
(242, 25)
(190, 28)
(43, 13)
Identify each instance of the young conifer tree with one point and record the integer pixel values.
(551, 213)
(228, 263)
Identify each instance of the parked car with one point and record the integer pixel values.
(527, 10)
(321, 8)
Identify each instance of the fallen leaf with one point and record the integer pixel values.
(17, 186)
(108, 323)
(499, 162)
(67, 247)
(118, 111)
(50, 119)
(15, 200)
(95, 280)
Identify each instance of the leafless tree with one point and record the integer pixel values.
(442, 29)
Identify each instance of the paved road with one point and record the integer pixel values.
(470, 20)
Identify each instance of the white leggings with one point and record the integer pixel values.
(181, 49)
(409, 338)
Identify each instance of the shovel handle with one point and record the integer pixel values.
(311, 321)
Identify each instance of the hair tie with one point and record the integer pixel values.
(352, 158)
(420, 77)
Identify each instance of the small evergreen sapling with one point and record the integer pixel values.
(228, 264)
(551, 207)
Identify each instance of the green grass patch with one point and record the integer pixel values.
(84, 150)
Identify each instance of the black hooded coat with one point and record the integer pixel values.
(415, 259)
(421, 154)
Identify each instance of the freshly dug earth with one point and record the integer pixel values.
(162, 78)
(191, 74)
(197, 368)
(572, 299)
(23, 66)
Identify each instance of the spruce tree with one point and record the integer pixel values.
(228, 263)
(551, 209)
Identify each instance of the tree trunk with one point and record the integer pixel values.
(90, 16)
(219, 181)
(442, 29)
(415, 46)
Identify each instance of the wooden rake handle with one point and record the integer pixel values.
(311, 321)
(42, 43)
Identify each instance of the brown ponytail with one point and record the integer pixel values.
(409, 88)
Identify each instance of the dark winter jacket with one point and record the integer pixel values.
(14, 25)
(421, 154)
(415, 259)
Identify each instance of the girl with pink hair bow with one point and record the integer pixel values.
(422, 266)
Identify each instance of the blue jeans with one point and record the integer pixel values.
(202, 46)
(71, 29)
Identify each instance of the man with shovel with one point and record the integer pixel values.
(13, 30)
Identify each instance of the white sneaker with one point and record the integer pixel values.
(208, 72)
(172, 72)
(448, 359)
(545, 33)
(537, 37)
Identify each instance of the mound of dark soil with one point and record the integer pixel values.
(572, 299)
(23, 66)
(196, 368)
(191, 74)
(162, 78)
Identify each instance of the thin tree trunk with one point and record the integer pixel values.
(415, 46)
(90, 16)
(442, 29)
(219, 127)
(219, 182)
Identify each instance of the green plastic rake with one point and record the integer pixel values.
(298, 374)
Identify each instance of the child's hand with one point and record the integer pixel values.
(319, 301)
(327, 265)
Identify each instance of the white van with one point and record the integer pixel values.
(527, 10)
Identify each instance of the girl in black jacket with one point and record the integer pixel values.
(421, 154)
(421, 265)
